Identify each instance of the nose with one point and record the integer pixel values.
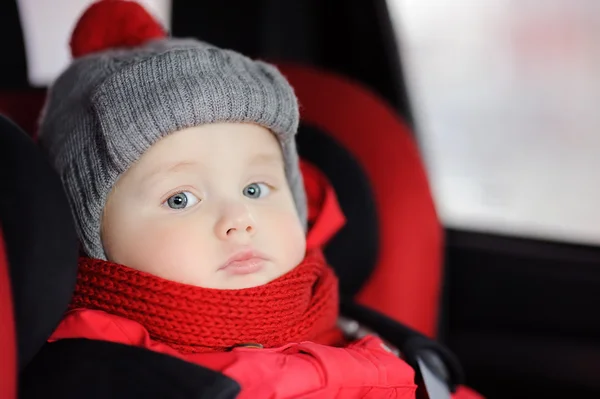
(235, 221)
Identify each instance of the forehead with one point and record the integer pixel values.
(212, 146)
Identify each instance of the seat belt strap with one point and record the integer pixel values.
(434, 386)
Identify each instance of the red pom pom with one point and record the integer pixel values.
(113, 23)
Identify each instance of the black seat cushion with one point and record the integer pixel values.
(81, 368)
(41, 242)
(353, 251)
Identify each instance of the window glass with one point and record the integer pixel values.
(506, 95)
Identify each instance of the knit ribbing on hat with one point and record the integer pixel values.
(109, 107)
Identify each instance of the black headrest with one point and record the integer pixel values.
(353, 251)
(41, 242)
(14, 61)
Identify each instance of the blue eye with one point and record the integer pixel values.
(256, 190)
(182, 200)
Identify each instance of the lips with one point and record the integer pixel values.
(245, 262)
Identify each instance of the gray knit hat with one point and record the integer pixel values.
(124, 92)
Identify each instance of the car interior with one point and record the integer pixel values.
(507, 304)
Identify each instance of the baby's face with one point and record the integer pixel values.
(208, 206)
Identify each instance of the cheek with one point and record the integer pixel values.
(288, 239)
(173, 250)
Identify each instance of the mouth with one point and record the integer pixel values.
(246, 262)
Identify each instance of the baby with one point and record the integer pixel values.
(181, 168)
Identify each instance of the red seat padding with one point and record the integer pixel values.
(8, 359)
(406, 283)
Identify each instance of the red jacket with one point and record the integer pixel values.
(364, 369)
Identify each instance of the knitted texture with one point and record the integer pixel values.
(299, 306)
(112, 104)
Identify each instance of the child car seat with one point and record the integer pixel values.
(361, 235)
(393, 230)
(42, 251)
(42, 374)
(393, 261)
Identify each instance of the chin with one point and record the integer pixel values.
(249, 281)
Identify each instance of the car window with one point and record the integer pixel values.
(506, 98)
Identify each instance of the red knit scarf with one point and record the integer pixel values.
(301, 305)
